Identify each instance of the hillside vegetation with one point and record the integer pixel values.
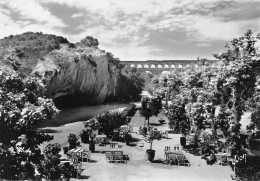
(32, 46)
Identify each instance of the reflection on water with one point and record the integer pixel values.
(82, 113)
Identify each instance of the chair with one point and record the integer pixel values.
(118, 157)
(181, 160)
(112, 145)
(126, 158)
(176, 148)
(74, 158)
(79, 169)
(167, 148)
(109, 157)
(171, 158)
(222, 159)
(86, 154)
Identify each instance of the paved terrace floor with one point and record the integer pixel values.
(137, 169)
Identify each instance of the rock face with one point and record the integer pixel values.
(83, 76)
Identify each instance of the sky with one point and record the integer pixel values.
(137, 29)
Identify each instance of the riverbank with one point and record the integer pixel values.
(71, 121)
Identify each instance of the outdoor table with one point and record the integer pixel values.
(77, 152)
(225, 155)
(101, 139)
(176, 152)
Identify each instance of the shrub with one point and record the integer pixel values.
(91, 125)
(19, 115)
(128, 138)
(247, 171)
(84, 135)
(51, 168)
(72, 139)
(178, 121)
(110, 121)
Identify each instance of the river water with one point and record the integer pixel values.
(83, 113)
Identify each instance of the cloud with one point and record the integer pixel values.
(205, 28)
(10, 26)
(203, 44)
(33, 10)
(76, 15)
(137, 28)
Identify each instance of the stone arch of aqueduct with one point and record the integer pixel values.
(157, 66)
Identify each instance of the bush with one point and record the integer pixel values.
(178, 121)
(51, 168)
(247, 171)
(208, 153)
(128, 138)
(68, 171)
(19, 115)
(84, 135)
(110, 121)
(72, 139)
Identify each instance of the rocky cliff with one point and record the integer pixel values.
(83, 76)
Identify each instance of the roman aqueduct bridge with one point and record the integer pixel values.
(158, 66)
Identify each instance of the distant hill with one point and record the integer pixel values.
(33, 46)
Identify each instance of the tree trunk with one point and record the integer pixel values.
(197, 133)
(237, 106)
(214, 128)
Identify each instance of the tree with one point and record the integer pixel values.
(178, 121)
(112, 61)
(89, 41)
(51, 168)
(32, 47)
(231, 84)
(150, 108)
(92, 125)
(22, 106)
(109, 121)
(223, 119)
(131, 83)
(240, 66)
